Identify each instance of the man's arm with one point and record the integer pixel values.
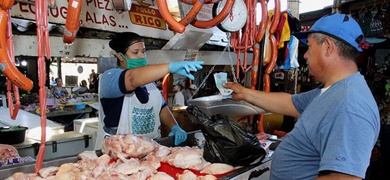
(275, 102)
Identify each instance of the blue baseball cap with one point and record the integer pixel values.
(339, 26)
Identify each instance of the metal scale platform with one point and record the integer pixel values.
(216, 104)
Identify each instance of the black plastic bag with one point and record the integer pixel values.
(226, 140)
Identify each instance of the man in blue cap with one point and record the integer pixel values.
(338, 122)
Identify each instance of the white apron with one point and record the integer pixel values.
(136, 118)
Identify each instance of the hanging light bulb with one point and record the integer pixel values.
(23, 63)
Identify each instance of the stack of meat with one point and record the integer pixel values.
(133, 157)
(8, 154)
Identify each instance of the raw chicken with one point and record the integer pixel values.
(186, 158)
(48, 171)
(207, 177)
(66, 168)
(189, 175)
(128, 145)
(161, 176)
(186, 175)
(160, 151)
(130, 158)
(8, 151)
(18, 176)
(132, 166)
(217, 168)
(87, 155)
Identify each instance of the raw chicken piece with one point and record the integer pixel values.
(207, 177)
(18, 176)
(186, 158)
(144, 173)
(186, 175)
(161, 176)
(189, 175)
(217, 168)
(66, 176)
(132, 166)
(48, 171)
(66, 168)
(87, 155)
(160, 151)
(8, 151)
(152, 162)
(129, 145)
(102, 165)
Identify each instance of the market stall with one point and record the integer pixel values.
(254, 47)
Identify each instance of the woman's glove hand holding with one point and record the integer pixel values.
(185, 67)
(179, 133)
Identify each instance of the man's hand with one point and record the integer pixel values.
(238, 90)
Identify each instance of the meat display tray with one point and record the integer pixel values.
(256, 171)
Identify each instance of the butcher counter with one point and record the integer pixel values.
(258, 170)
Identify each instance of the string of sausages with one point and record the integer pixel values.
(250, 38)
(272, 62)
(11, 87)
(15, 79)
(41, 16)
(190, 18)
(243, 40)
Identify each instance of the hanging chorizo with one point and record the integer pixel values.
(6, 4)
(168, 18)
(263, 22)
(72, 23)
(275, 18)
(255, 65)
(6, 66)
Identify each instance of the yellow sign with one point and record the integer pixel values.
(145, 16)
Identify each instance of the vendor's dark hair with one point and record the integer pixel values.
(120, 42)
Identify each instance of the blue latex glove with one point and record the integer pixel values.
(184, 68)
(179, 133)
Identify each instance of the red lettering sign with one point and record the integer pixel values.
(145, 16)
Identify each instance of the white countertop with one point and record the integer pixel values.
(24, 118)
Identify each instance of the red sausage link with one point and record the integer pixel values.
(6, 66)
(263, 22)
(166, 15)
(72, 23)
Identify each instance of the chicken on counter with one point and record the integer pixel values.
(132, 157)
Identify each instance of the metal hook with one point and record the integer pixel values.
(363, 9)
(384, 6)
(374, 8)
